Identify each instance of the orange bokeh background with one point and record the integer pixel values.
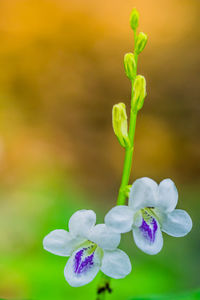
(61, 73)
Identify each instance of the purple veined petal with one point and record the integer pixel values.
(149, 230)
(148, 236)
(83, 265)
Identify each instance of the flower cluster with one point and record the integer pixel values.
(151, 207)
(150, 210)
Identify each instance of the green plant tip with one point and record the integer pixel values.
(134, 19)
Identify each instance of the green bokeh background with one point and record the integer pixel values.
(61, 73)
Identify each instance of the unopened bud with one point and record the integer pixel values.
(129, 65)
(140, 42)
(120, 124)
(139, 90)
(134, 19)
(127, 190)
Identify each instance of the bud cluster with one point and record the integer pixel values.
(119, 117)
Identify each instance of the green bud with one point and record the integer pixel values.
(120, 124)
(127, 190)
(139, 92)
(134, 19)
(129, 65)
(140, 42)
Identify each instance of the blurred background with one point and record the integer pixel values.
(61, 73)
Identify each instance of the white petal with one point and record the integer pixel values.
(83, 265)
(60, 242)
(81, 222)
(148, 237)
(137, 218)
(120, 219)
(167, 195)
(144, 193)
(104, 237)
(177, 223)
(116, 264)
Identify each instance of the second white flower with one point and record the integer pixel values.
(151, 209)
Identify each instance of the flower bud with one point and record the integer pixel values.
(127, 190)
(140, 42)
(134, 19)
(120, 124)
(139, 90)
(129, 65)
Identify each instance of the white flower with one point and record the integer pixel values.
(150, 210)
(91, 248)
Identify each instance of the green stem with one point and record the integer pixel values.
(127, 161)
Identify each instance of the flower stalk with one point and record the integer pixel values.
(126, 139)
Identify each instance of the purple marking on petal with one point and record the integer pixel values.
(78, 260)
(83, 264)
(149, 230)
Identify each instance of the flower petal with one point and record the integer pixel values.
(83, 265)
(116, 264)
(167, 195)
(144, 193)
(60, 242)
(120, 219)
(177, 223)
(148, 237)
(81, 222)
(104, 237)
(137, 218)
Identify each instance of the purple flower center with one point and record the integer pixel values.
(82, 261)
(149, 230)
